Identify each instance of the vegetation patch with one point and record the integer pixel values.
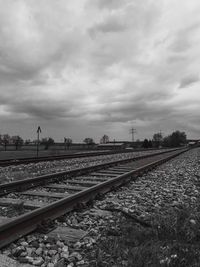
(172, 241)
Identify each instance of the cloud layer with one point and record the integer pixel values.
(94, 66)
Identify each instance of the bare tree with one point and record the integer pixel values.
(67, 142)
(18, 141)
(89, 141)
(5, 142)
(104, 139)
(47, 141)
(157, 139)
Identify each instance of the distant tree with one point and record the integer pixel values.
(5, 142)
(157, 139)
(89, 141)
(67, 142)
(150, 144)
(47, 141)
(166, 141)
(18, 141)
(145, 143)
(27, 142)
(137, 143)
(104, 139)
(176, 139)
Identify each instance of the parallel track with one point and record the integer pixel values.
(71, 188)
(10, 162)
(18, 161)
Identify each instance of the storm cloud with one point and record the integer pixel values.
(92, 67)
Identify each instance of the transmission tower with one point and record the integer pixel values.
(132, 132)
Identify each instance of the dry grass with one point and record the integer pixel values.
(173, 241)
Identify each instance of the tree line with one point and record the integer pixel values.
(175, 139)
(17, 141)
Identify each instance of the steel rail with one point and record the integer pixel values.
(29, 222)
(39, 180)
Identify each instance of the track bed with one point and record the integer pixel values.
(26, 204)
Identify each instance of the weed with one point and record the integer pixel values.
(173, 241)
(20, 207)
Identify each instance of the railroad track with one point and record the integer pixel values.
(13, 161)
(18, 161)
(32, 202)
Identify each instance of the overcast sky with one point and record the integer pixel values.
(84, 68)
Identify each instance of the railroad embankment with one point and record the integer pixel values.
(153, 221)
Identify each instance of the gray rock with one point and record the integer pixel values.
(65, 249)
(60, 263)
(23, 254)
(60, 244)
(79, 263)
(38, 262)
(35, 244)
(16, 252)
(5, 261)
(39, 251)
(52, 252)
(76, 255)
(64, 255)
(23, 259)
(24, 244)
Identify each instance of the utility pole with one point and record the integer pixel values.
(132, 132)
(38, 138)
(114, 143)
(65, 142)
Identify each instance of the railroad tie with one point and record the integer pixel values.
(82, 183)
(104, 174)
(93, 178)
(44, 194)
(66, 187)
(24, 203)
(113, 172)
(121, 169)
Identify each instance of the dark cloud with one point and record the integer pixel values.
(99, 65)
(186, 81)
(176, 58)
(111, 4)
(39, 110)
(183, 38)
(112, 25)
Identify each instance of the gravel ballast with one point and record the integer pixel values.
(157, 193)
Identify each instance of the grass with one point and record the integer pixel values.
(173, 241)
(32, 153)
(19, 208)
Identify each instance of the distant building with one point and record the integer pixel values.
(194, 142)
(112, 145)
